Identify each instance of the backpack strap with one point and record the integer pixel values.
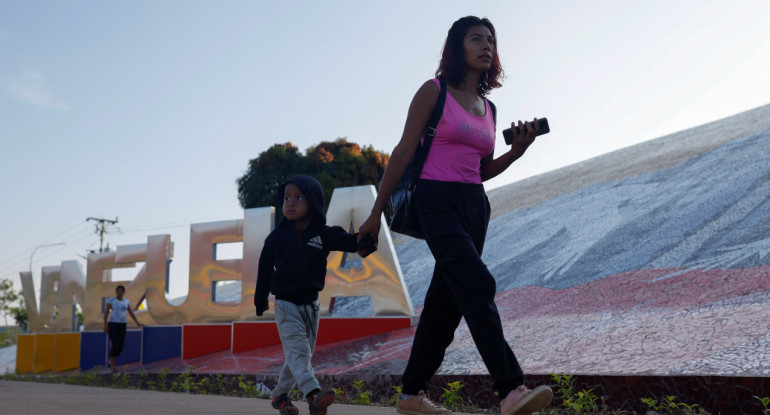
(438, 110)
(430, 131)
(494, 111)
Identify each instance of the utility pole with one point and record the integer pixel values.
(101, 229)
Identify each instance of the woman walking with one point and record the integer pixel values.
(454, 213)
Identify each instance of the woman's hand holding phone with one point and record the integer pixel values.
(519, 132)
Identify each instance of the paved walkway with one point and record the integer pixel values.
(30, 398)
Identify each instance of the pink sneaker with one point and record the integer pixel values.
(522, 401)
(419, 405)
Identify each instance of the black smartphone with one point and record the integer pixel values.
(541, 122)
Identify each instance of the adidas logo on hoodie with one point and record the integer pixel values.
(316, 242)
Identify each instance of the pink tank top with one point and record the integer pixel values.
(461, 141)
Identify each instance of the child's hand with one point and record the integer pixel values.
(261, 306)
(366, 245)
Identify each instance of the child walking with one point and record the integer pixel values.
(292, 266)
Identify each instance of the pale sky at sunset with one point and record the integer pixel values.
(150, 110)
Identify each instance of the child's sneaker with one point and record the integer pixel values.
(419, 405)
(318, 401)
(523, 401)
(284, 406)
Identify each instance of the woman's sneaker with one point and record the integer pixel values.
(523, 401)
(284, 406)
(419, 405)
(318, 401)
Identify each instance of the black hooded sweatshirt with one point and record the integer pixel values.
(293, 264)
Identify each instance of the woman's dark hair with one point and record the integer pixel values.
(120, 287)
(452, 68)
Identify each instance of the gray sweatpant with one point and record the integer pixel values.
(298, 329)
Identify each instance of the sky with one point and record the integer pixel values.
(149, 111)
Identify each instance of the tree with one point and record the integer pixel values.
(338, 163)
(20, 315)
(7, 297)
(256, 188)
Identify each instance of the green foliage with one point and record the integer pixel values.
(183, 382)
(362, 397)
(451, 398)
(7, 297)
(564, 386)
(8, 375)
(121, 380)
(651, 403)
(582, 402)
(335, 164)
(339, 394)
(20, 315)
(92, 378)
(671, 407)
(73, 379)
(248, 388)
(765, 403)
(394, 398)
(256, 188)
(151, 385)
(141, 379)
(161, 384)
(295, 395)
(217, 385)
(203, 386)
(8, 336)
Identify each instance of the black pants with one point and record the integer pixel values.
(117, 334)
(454, 219)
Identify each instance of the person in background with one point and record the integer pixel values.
(116, 309)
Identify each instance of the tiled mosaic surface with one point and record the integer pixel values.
(624, 335)
(692, 323)
(642, 285)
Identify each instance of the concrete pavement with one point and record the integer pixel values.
(31, 398)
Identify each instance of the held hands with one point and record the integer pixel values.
(528, 131)
(370, 228)
(366, 245)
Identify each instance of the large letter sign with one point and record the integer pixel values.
(380, 278)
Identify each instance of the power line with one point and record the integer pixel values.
(15, 266)
(22, 255)
(71, 246)
(101, 229)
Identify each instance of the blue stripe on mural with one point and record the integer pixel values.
(93, 349)
(132, 349)
(161, 342)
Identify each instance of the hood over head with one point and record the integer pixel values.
(312, 190)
